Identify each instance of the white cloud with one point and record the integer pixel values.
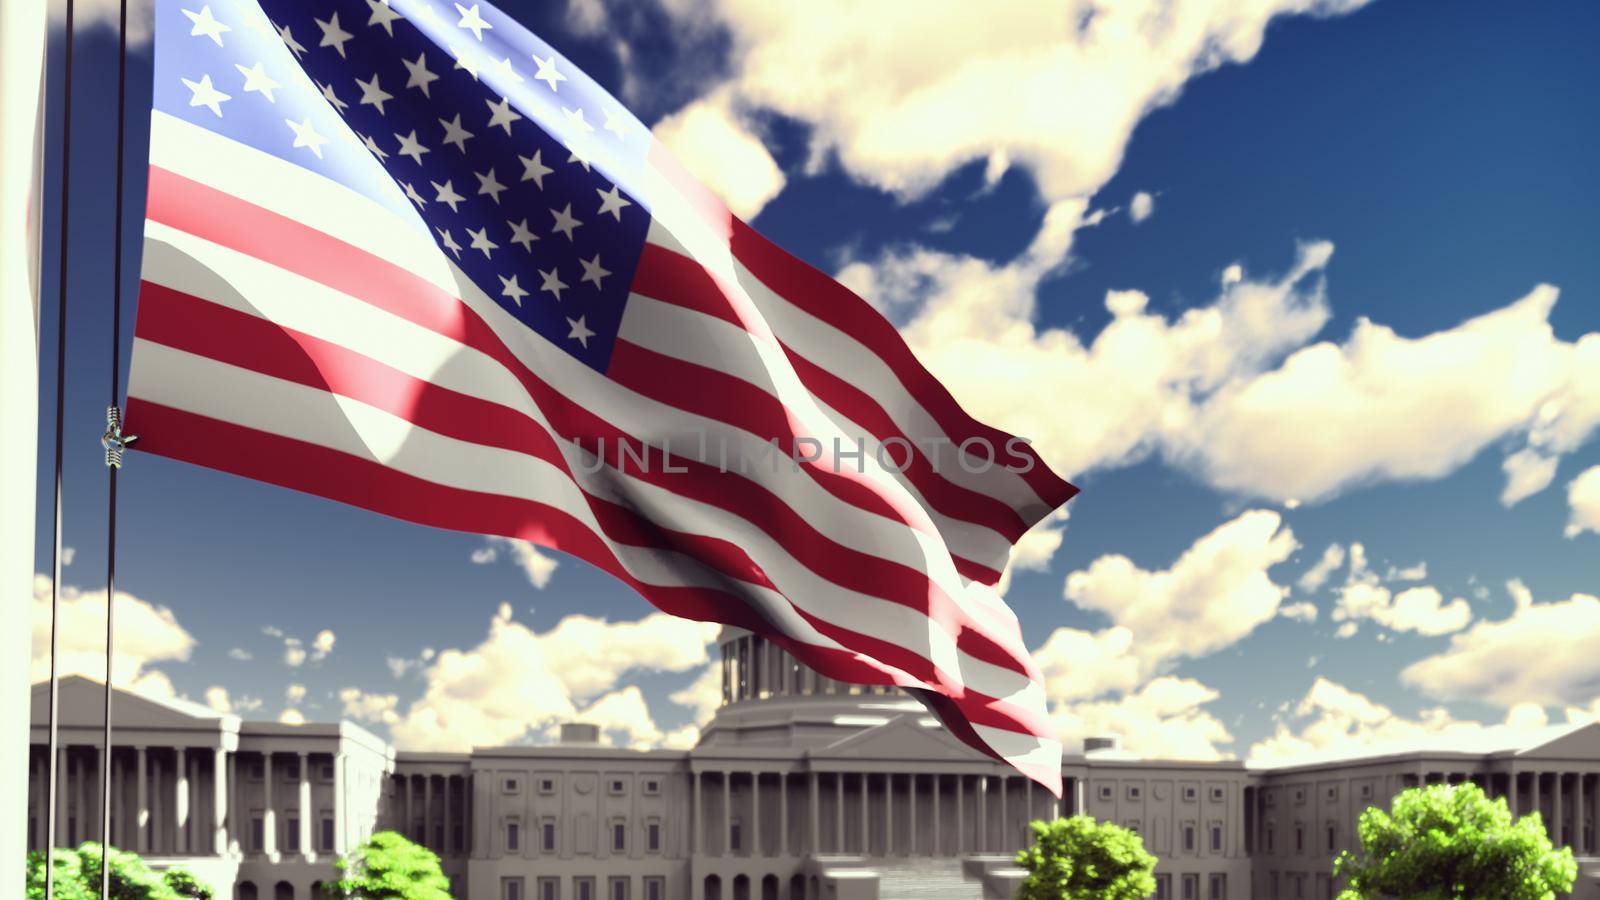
(365, 707)
(1163, 719)
(294, 652)
(517, 683)
(538, 567)
(1333, 720)
(1079, 665)
(1217, 592)
(1527, 473)
(1035, 548)
(240, 654)
(1316, 576)
(1542, 653)
(703, 695)
(292, 717)
(1009, 84)
(1420, 609)
(1583, 496)
(1304, 611)
(104, 14)
(147, 634)
(1418, 572)
(1231, 275)
(294, 694)
(217, 699)
(67, 555)
(399, 666)
(1141, 206)
(322, 646)
(718, 146)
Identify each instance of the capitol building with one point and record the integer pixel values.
(801, 788)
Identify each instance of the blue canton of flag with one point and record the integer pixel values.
(509, 156)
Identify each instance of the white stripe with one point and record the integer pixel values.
(692, 336)
(836, 351)
(199, 385)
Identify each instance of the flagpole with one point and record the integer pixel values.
(23, 37)
(61, 406)
(114, 443)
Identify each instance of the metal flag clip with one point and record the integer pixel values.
(114, 440)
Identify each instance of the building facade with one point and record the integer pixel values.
(801, 787)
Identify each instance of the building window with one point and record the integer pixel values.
(1188, 838)
(735, 835)
(1299, 838)
(1216, 795)
(1219, 887)
(1105, 792)
(1300, 887)
(1191, 887)
(547, 785)
(619, 888)
(1271, 833)
(257, 770)
(547, 836)
(1163, 887)
(1333, 792)
(1190, 794)
(583, 888)
(652, 786)
(1299, 795)
(619, 837)
(618, 787)
(549, 888)
(258, 833)
(511, 889)
(513, 837)
(655, 888)
(509, 785)
(1133, 826)
(1333, 837)
(1134, 792)
(652, 833)
(1366, 792)
(1216, 838)
(291, 833)
(327, 772)
(327, 833)
(1274, 894)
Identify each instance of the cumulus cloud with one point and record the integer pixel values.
(517, 683)
(1032, 85)
(1032, 553)
(147, 634)
(1583, 496)
(1163, 719)
(1332, 720)
(292, 717)
(1141, 206)
(399, 666)
(295, 651)
(294, 694)
(1217, 592)
(217, 698)
(364, 707)
(240, 654)
(1316, 576)
(703, 695)
(1304, 611)
(1542, 653)
(534, 563)
(720, 148)
(1420, 609)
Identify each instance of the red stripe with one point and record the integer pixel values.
(833, 303)
(197, 326)
(328, 473)
(290, 245)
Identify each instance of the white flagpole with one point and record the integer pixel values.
(22, 53)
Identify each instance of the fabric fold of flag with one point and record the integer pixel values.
(403, 255)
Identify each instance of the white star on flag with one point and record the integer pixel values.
(510, 288)
(256, 79)
(372, 94)
(332, 35)
(447, 195)
(383, 15)
(449, 241)
(522, 234)
(612, 202)
(205, 94)
(472, 21)
(206, 24)
(547, 71)
(580, 332)
(593, 271)
(480, 241)
(410, 146)
(502, 114)
(488, 185)
(305, 135)
(418, 75)
(565, 221)
(455, 134)
(552, 282)
(294, 46)
(534, 169)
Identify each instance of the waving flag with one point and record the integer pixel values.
(402, 254)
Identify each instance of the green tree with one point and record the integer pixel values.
(1451, 842)
(77, 877)
(389, 867)
(1079, 858)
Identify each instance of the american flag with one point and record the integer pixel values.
(402, 254)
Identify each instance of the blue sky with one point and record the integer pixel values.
(1375, 399)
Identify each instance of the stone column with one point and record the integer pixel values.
(303, 804)
(341, 803)
(269, 814)
(698, 831)
(141, 814)
(755, 814)
(427, 810)
(783, 814)
(888, 814)
(911, 816)
(63, 792)
(1514, 792)
(1556, 810)
(838, 812)
(983, 814)
(219, 802)
(866, 833)
(180, 802)
(1580, 812)
(1005, 821)
(727, 791)
(938, 813)
(235, 845)
(961, 814)
(816, 814)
